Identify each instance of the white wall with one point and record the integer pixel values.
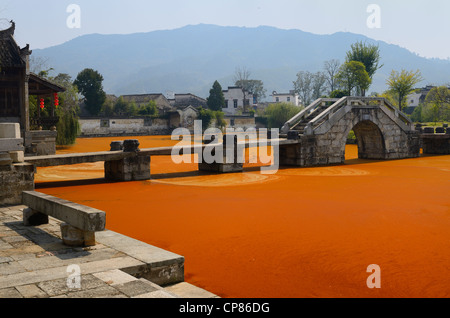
(283, 98)
(235, 94)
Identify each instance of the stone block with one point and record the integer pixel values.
(131, 145)
(5, 159)
(17, 156)
(73, 236)
(128, 169)
(116, 145)
(9, 130)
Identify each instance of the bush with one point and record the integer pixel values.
(278, 114)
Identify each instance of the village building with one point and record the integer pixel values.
(180, 101)
(17, 84)
(237, 100)
(291, 98)
(417, 98)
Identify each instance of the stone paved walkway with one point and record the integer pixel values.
(34, 263)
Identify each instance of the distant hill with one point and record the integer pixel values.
(190, 59)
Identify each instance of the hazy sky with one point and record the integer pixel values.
(422, 26)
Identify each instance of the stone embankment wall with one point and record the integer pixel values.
(15, 175)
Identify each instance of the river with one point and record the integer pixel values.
(302, 232)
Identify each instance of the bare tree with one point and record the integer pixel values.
(39, 65)
(241, 74)
(331, 68)
(303, 86)
(318, 84)
(249, 86)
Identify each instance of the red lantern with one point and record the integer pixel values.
(42, 103)
(56, 100)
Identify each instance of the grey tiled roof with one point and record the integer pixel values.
(10, 53)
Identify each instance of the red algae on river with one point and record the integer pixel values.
(302, 232)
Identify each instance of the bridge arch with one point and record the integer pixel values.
(370, 140)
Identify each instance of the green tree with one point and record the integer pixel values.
(108, 108)
(206, 116)
(417, 114)
(278, 114)
(401, 84)
(150, 109)
(89, 83)
(367, 54)
(438, 101)
(352, 75)
(216, 100)
(220, 120)
(132, 109)
(339, 93)
(120, 107)
(68, 126)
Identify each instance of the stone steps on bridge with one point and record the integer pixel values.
(301, 125)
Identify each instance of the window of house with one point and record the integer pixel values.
(288, 99)
(277, 99)
(235, 103)
(226, 104)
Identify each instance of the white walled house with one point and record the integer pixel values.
(234, 100)
(290, 97)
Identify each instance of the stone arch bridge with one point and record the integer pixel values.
(382, 132)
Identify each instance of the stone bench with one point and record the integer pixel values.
(81, 222)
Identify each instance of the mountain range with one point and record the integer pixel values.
(191, 58)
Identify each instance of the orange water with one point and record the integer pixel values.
(303, 232)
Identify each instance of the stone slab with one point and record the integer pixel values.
(77, 215)
(46, 274)
(115, 277)
(186, 290)
(31, 291)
